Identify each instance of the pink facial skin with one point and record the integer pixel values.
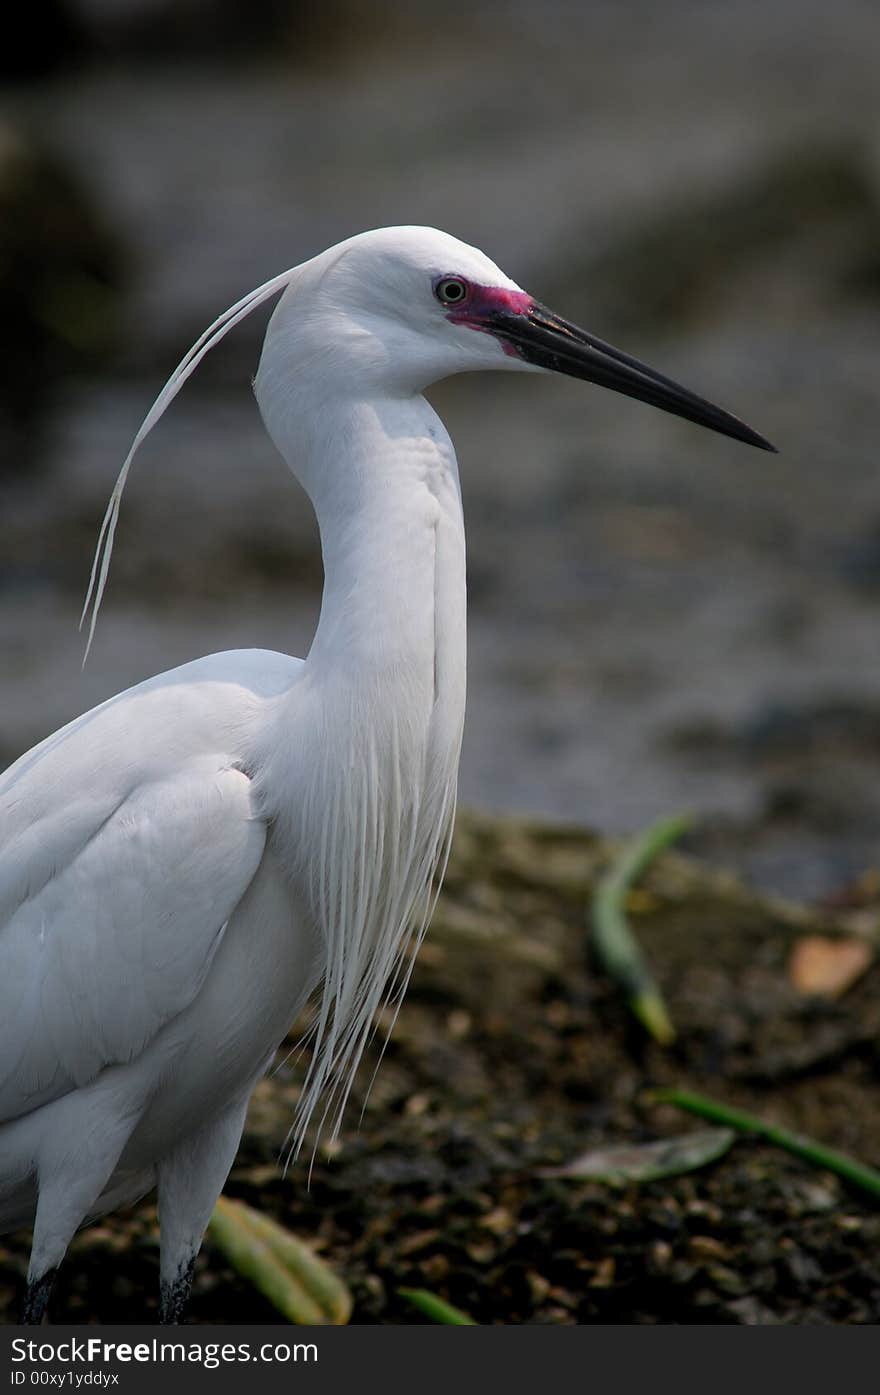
(482, 302)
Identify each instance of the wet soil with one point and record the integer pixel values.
(512, 1053)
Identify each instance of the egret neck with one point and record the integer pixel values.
(386, 674)
(382, 477)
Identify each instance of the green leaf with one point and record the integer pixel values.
(299, 1284)
(850, 1169)
(616, 946)
(436, 1309)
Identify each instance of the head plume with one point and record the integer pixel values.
(187, 366)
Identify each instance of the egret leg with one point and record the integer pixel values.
(36, 1299)
(190, 1180)
(174, 1296)
(71, 1175)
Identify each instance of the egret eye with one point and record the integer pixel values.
(451, 290)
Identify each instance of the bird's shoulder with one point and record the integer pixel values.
(211, 704)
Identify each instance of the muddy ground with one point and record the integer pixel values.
(513, 1053)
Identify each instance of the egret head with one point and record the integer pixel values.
(390, 312)
(384, 311)
(397, 309)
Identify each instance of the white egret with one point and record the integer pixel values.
(185, 864)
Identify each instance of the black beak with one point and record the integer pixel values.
(541, 337)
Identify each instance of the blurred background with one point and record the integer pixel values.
(660, 619)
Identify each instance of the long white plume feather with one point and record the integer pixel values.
(187, 366)
(380, 815)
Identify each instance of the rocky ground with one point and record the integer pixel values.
(512, 1054)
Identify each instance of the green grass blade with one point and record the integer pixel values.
(859, 1174)
(436, 1309)
(615, 944)
(295, 1280)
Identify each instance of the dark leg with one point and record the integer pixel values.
(174, 1296)
(36, 1299)
(191, 1178)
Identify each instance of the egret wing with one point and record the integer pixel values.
(119, 909)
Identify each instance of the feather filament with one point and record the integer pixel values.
(207, 340)
(384, 846)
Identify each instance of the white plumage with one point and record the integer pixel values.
(183, 866)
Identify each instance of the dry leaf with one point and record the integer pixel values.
(645, 1162)
(828, 967)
